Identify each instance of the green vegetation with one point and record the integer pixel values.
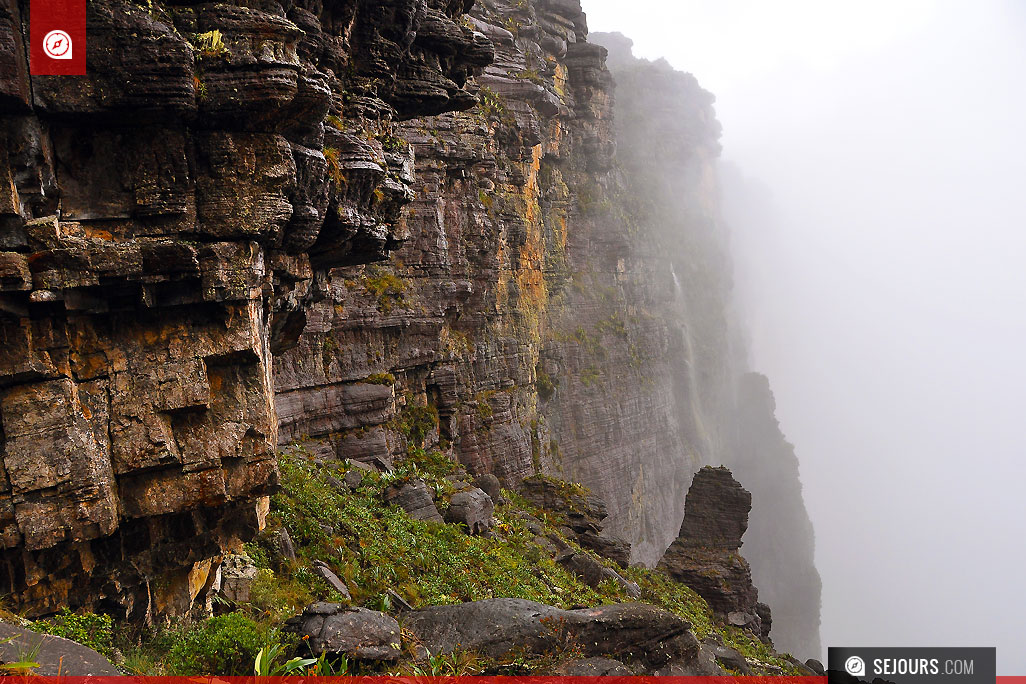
(209, 44)
(416, 422)
(544, 384)
(334, 159)
(227, 644)
(375, 547)
(95, 631)
(385, 286)
(494, 107)
(531, 75)
(590, 376)
(393, 144)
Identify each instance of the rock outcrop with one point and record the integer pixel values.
(644, 635)
(373, 227)
(164, 223)
(354, 632)
(705, 555)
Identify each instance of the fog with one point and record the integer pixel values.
(876, 189)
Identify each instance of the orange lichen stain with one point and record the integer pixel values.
(97, 233)
(216, 382)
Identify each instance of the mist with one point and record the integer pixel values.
(874, 175)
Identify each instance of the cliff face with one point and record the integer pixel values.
(259, 223)
(164, 221)
(666, 134)
(523, 318)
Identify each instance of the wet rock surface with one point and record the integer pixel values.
(55, 655)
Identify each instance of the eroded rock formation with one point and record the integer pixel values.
(164, 222)
(705, 554)
(258, 223)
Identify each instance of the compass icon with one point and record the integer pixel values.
(57, 45)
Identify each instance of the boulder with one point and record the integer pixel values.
(816, 666)
(583, 511)
(490, 485)
(55, 655)
(594, 667)
(354, 632)
(282, 548)
(616, 550)
(237, 577)
(415, 498)
(638, 633)
(322, 569)
(473, 509)
(593, 573)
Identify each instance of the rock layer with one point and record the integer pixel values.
(705, 555)
(164, 222)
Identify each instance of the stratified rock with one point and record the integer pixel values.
(237, 577)
(593, 573)
(415, 498)
(633, 632)
(216, 160)
(55, 655)
(584, 513)
(326, 573)
(705, 557)
(353, 632)
(616, 550)
(473, 509)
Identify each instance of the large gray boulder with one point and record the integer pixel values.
(55, 655)
(644, 635)
(353, 632)
(473, 509)
(415, 498)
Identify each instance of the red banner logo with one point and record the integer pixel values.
(57, 37)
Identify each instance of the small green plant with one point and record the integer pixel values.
(268, 662)
(590, 376)
(25, 661)
(388, 288)
(531, 75)
(544, 384)
(416, 422)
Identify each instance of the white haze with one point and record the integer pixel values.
(884, 282)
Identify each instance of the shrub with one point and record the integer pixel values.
(88, 629)
(226, 644)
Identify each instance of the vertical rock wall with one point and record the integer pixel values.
(265, 222)
(164, 222)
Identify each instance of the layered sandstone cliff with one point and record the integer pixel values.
(369, 226)
(164, 221)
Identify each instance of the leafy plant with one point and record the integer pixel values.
(226, 644)
(89, 629)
